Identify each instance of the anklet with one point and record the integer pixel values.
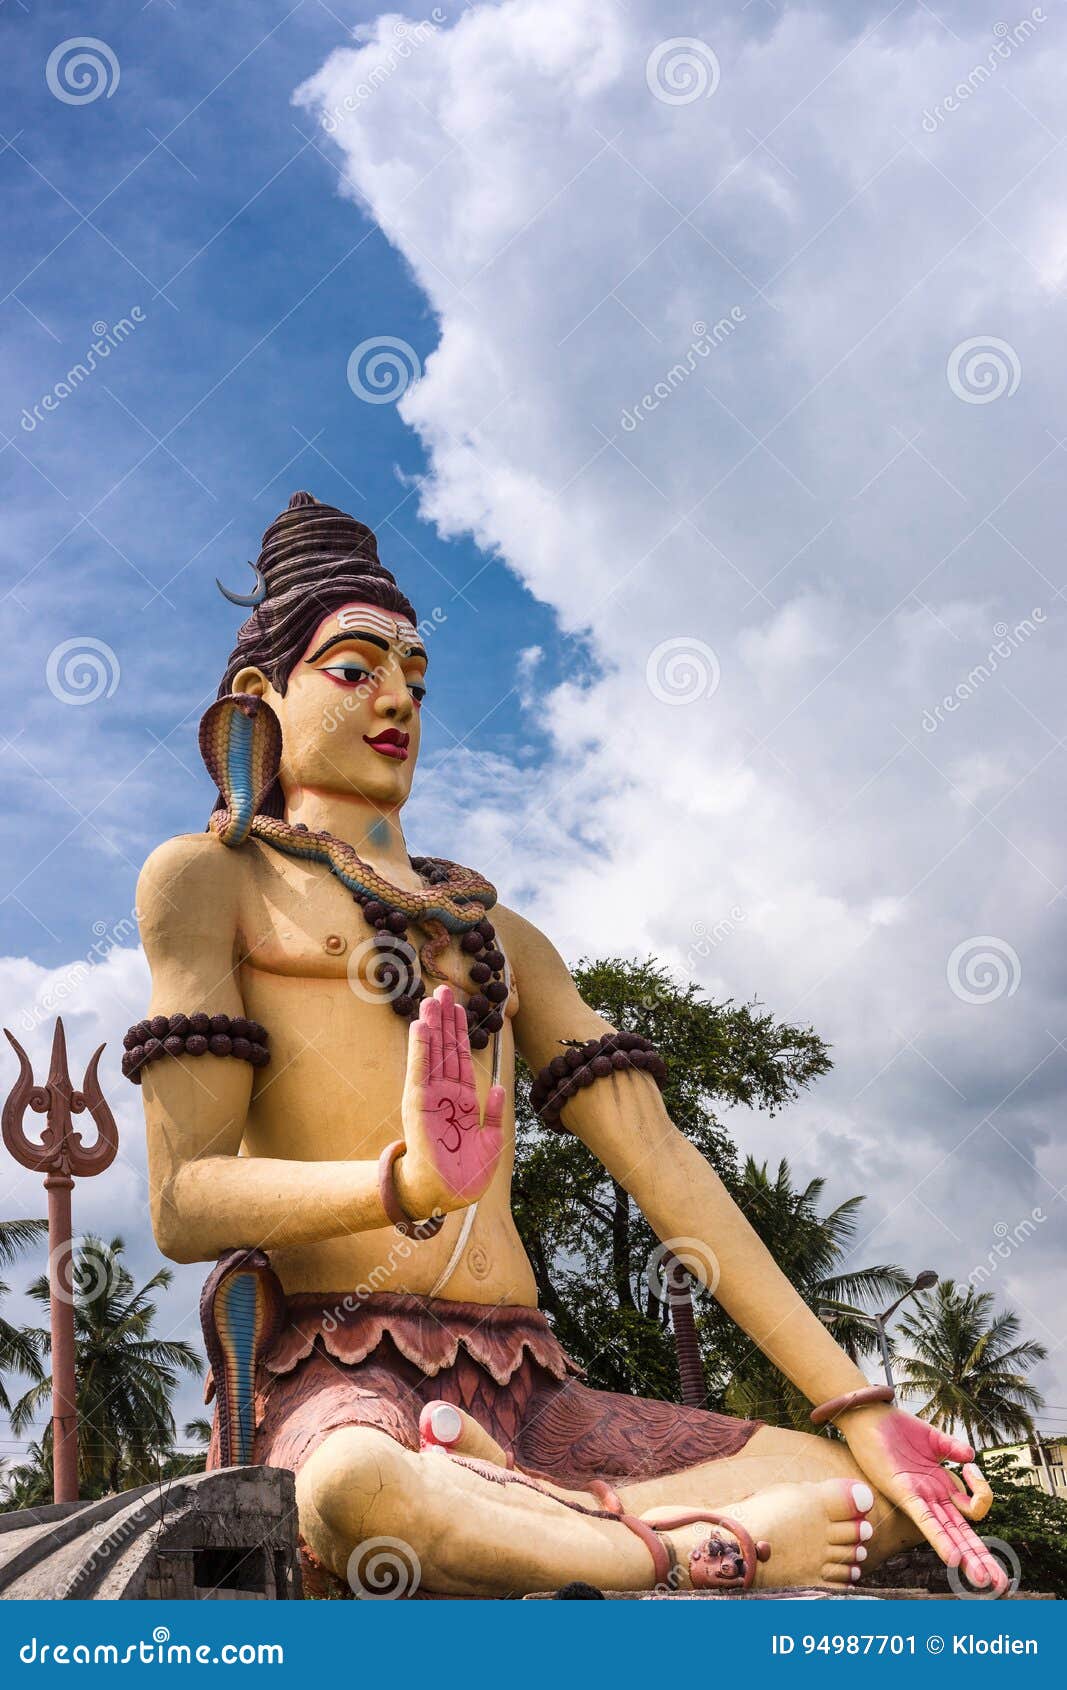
(193, 1035)
(713, 1564)
(562, 1078)
(852, 1399)
(408, 1228)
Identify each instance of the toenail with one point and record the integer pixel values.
(445, 1423)
(863, 1497)
(859, 1553)
(866, 1530)
(854, 1574)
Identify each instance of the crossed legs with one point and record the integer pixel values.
(474, 1529)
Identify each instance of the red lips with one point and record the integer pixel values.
(391, 742)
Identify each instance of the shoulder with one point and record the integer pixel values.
(525, 945)
(191, 872)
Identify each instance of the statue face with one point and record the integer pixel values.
(350, 714)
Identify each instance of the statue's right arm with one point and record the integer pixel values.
(205, 1196)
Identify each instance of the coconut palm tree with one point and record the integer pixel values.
(966, 1365)
(125, 1377)
(18, 1347)
(29, 1484)
(811, 1249)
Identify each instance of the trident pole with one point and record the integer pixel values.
(60, 1155)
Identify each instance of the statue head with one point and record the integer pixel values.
(332, 646)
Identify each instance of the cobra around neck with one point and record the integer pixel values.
(371, 829)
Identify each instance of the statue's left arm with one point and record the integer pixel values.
(622, 1120)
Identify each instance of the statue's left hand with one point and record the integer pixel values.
(902, 1456)
(451, 1152)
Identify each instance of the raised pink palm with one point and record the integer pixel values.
(451, 1154)
(902, 1456)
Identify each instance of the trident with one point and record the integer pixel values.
(59, 1155)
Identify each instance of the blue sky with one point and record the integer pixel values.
(736, 465)
(196, 194)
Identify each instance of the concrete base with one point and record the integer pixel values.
(228, 1536)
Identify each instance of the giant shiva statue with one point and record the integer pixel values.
(328, 1081)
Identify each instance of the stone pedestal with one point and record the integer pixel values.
(227, 1536)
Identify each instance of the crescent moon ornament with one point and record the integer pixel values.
(251, 599)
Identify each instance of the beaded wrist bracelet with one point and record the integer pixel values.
(563, 1077)
(193, 1035)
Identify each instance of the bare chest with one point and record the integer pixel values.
(303, 923)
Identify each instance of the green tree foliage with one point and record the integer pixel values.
(966, 1366)
(18, 1347)
(1034, 1523)
(588, 1243)
(125, 1377)
(28, 1484)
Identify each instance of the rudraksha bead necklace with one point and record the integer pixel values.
(398, 975)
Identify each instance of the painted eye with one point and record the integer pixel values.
(417, 691)
(350, 674)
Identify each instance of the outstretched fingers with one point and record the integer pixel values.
(958, 1546)
(493, 1119)
(934, 1529)
(420, 1039)
(449, 1049)
(948, 1448)
(977, 1563)
(430, 1020)
(463, 1048)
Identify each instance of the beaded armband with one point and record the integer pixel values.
(563, 1077)
(193, 1035)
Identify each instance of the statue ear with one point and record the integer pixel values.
(253, 682)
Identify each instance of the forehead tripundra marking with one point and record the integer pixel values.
(376, 622)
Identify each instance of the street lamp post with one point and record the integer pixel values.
(880, 1322)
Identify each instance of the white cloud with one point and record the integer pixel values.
(98, 997)
(814, 503)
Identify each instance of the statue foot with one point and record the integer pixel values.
(779, 1538)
